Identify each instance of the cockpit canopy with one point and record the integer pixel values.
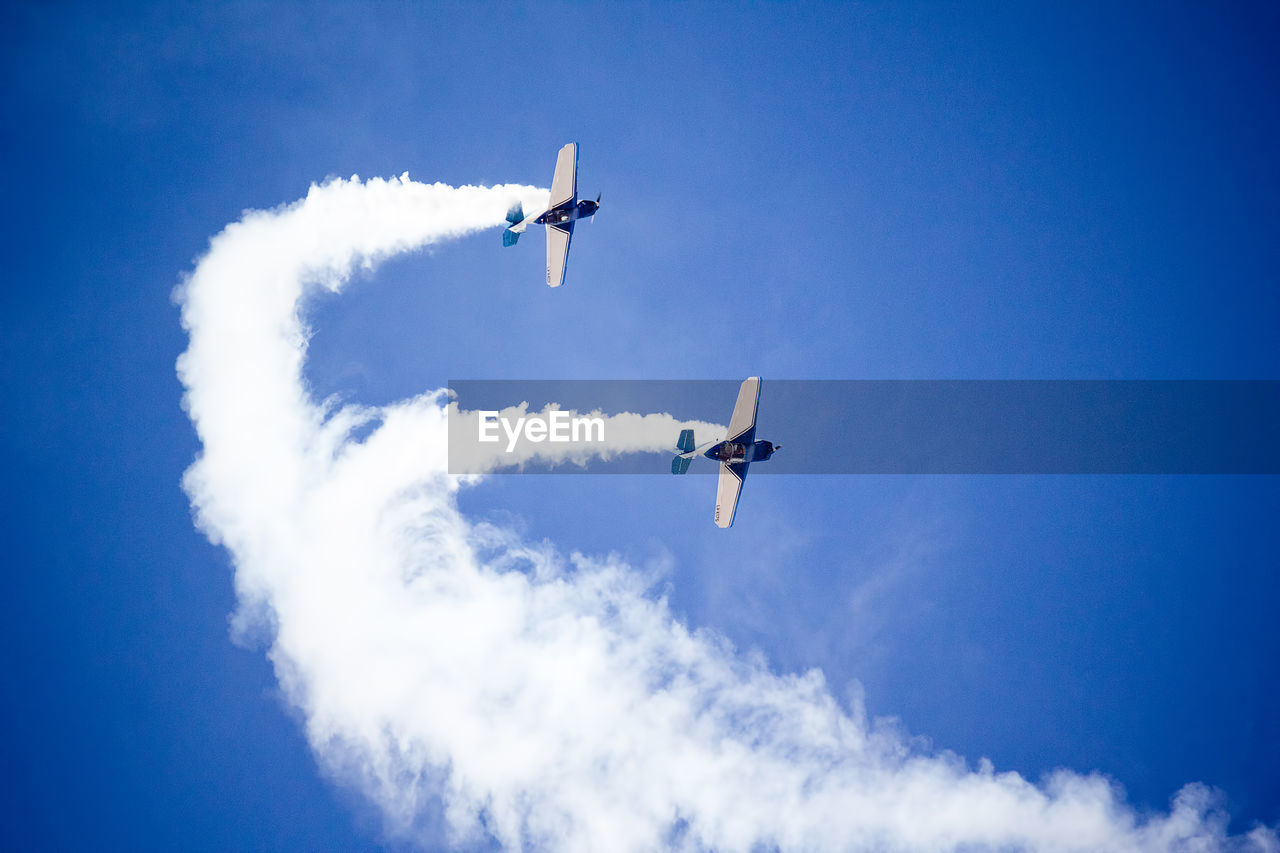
(728, 451)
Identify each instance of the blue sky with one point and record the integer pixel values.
(1068, 192)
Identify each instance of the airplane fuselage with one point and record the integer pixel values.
(568, 213)
(732, 452)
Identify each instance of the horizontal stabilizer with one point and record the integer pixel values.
(686, 443)
(680, 464)
(510, 237)
(515, 214)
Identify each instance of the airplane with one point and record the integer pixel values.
(559, 217)
(735, 454)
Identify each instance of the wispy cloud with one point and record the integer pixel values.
(547, 701)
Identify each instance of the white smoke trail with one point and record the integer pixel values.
(549, 702)
(618, 434)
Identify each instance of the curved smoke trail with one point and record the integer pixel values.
(545, 702)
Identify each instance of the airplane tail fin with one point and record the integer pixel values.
(685, 443)
(515, 216)
(686, 446)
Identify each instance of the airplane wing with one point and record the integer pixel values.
(564, 186)
(727, 491)
(744, 412)
(558, 237)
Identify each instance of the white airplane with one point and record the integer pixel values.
(559, 217)
(738, 450)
